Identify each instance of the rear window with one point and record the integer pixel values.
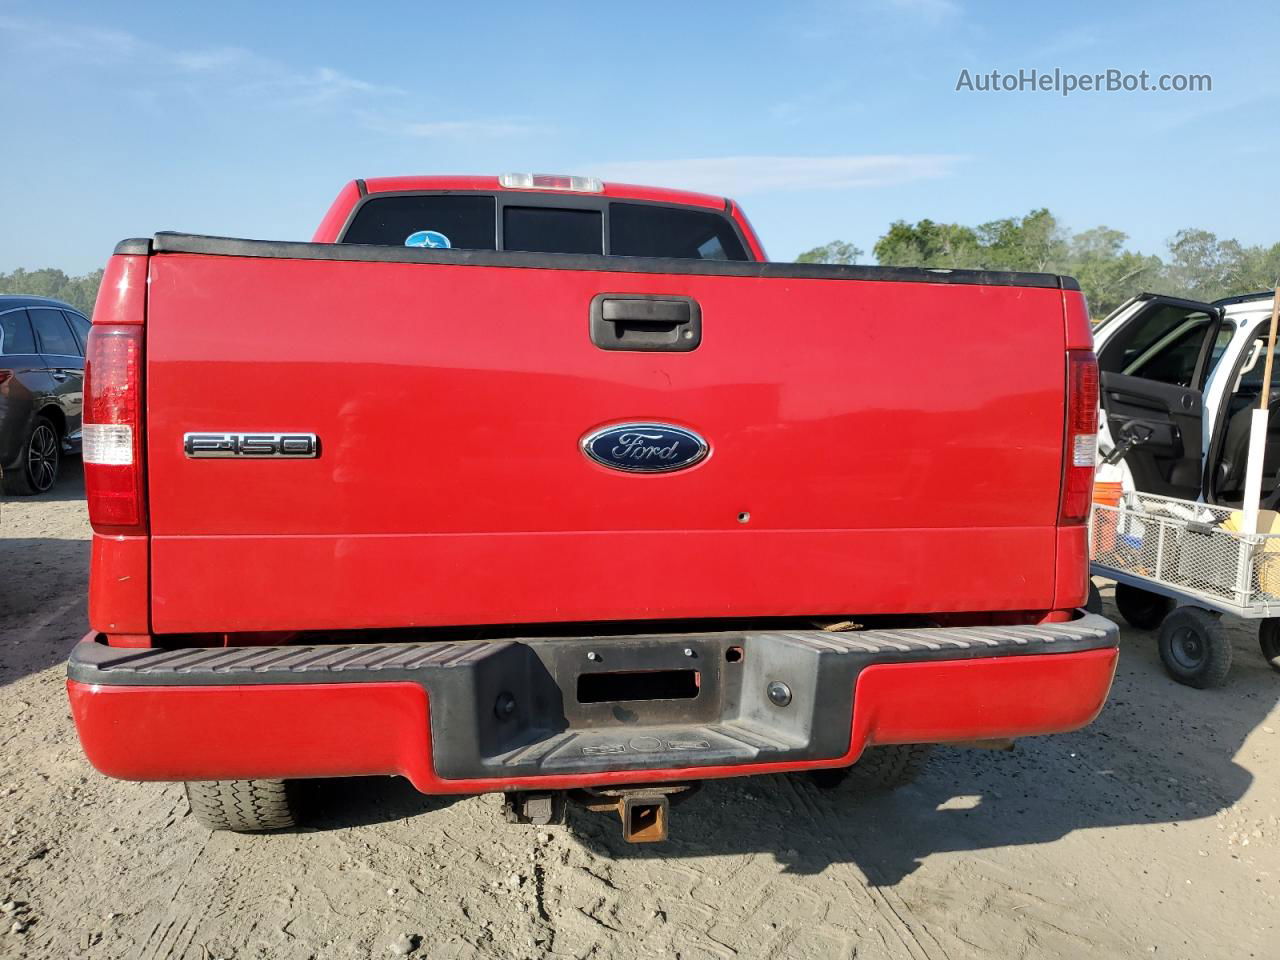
(533, 224)
(644, 230)
(552, 230)
(15, 333)
(52, 332)
(465, 221)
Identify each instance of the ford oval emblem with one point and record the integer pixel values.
(644, 447)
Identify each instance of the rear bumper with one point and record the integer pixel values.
(484, 716)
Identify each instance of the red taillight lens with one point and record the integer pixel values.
(1082, 436)
(4, 376)
(113, 429)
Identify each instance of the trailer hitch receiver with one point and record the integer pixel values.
(645, 811)
(645, 817)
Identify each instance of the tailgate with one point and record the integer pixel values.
(875, 445)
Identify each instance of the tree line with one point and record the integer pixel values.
(1198, 265)
(80, 292)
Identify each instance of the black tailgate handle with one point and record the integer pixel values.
(633, 321)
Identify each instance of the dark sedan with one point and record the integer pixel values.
(41, 389)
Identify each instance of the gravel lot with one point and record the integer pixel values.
(1152, 833)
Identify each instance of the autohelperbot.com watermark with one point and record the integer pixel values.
(1065, 82)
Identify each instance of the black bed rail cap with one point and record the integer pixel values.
(358, 252)
(134, 246)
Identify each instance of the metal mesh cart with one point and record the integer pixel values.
(1178, 565)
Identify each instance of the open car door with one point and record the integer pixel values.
(1229, 447)
(1153, 369)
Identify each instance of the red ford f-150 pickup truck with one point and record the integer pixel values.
(548, 487)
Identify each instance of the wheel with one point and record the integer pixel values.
(880, 768)
(37, 471)
(1195, 647)
(244, 805)
(1094, 603)
(1141, 608)
(1269, 640)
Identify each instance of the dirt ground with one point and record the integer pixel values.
(1152, 833)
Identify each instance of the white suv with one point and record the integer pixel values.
(1178, 379)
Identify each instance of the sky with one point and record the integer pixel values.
(826, 119)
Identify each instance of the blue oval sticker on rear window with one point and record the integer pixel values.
(427, 238)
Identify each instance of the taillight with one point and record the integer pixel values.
(4, 376)
(112, 437)
(1081, 436)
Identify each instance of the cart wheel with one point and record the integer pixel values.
(1269, 640)
(1094, 603)
(1195, 647)
(1141, 608)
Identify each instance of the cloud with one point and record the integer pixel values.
(215, 58)
(1065, 43)
(239, 73)
(452, 129)
(88, 44)
(314, 87)
(765, 174)
(233, 70)
(931, 10)
(824, 20)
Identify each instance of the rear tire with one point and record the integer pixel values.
(1269, 640)
(37, 470)
(879, 769)
(1195, 648)
(245, 806)
(1141, 608)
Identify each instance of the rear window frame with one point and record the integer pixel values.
(81, 338)
(569, 201)
(31, 332)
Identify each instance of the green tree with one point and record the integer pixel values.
(1259, 268)
(1108, 273)
(928, 244)
(1202, 267)
(80, 292)
(1199, 266)
(837, 251)
(1034, 243)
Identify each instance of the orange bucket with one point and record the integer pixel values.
(1104, 530)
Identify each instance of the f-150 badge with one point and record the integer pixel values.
(289, 446)
(644, 447)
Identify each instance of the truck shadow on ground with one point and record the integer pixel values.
(43, 579)
(1160, 753)
(333, 804)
